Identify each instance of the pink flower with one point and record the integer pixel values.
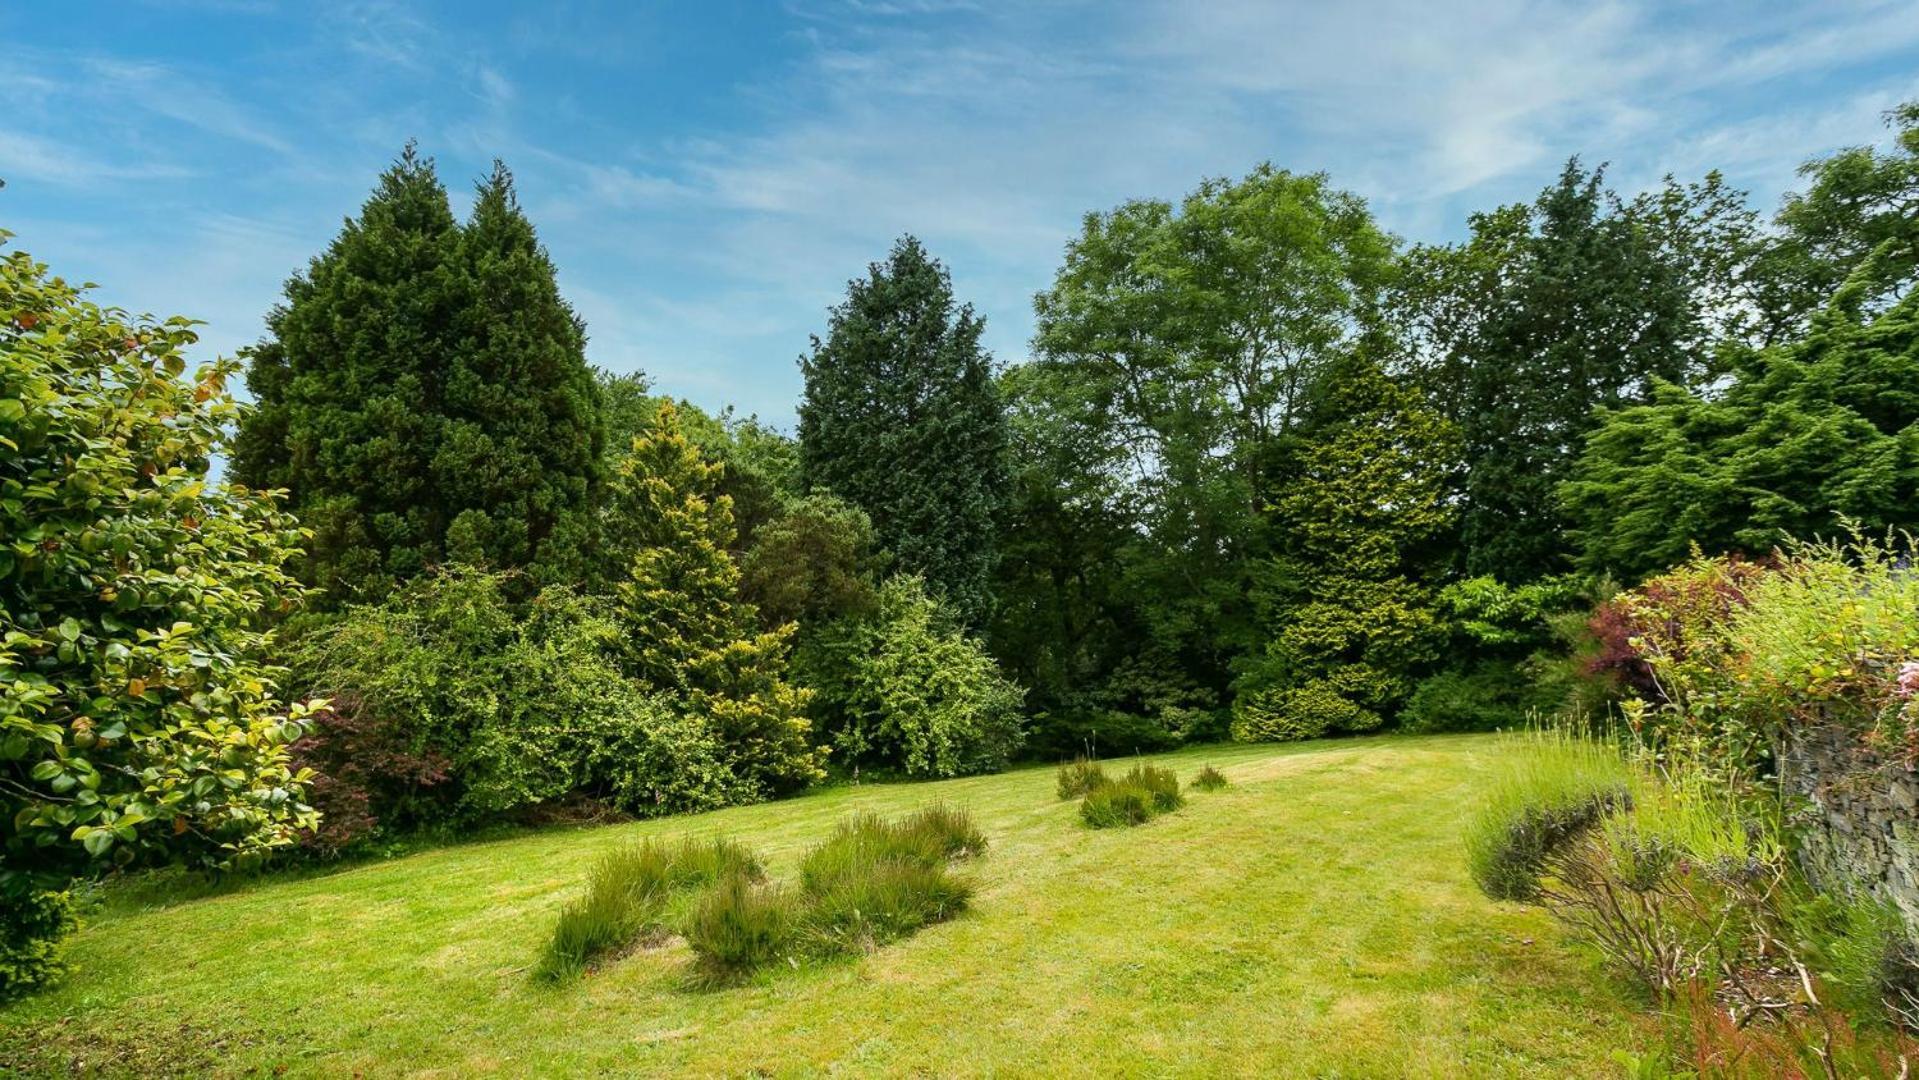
(1909, 678)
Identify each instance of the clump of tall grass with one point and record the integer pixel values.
(631, 897)
(1080, 776)
(873, 881)
(1552, 787)
(1145, 792)
(741, 925)
(1209, 779)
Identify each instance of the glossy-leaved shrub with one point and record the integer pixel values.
(139, 717)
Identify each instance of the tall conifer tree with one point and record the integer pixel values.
(423, 392)
(902, 417)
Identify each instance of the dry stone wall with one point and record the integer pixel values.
(1857, 821)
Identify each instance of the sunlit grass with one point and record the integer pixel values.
(1314, 918)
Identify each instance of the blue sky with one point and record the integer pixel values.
(708, 175)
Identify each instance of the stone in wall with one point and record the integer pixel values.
(1857, 818)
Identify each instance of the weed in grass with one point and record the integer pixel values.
(740, 926)
(1209, 779)
(1080, 776)
(630, 895)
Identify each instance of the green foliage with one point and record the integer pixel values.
(1808, 434)
(1174, 348)
(424, 394)
(629, 899)
(813, 563)
(1739, 654)
(33, 923)
(1551, 788)
(901, 416)
(1486, 697)
(1079, 776)
(740, 926)
(1145, 792)
(684, 629)
(1575, 302)
(1829, 637)
(138, 721)
(907, 688)
(1209, 779)
(1349, 616)
(525, 703)
(1857, 208)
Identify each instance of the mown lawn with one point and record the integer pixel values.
(1313, 919)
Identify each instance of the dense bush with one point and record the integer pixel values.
(463, 705)
(364, 765)
(33, 923)
(908, 689)
(1488, 697)
(1729, 655)
(1551, 788)
(139, 722)
(630, 897)
(1209, 779)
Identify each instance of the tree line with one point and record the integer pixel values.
(1269, 473)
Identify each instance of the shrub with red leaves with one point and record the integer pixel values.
(1674, 614)
(366, 775)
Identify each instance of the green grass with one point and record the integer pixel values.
(1315, 918)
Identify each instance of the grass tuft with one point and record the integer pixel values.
(630, 897)
(1145, 792)
(1209, 779)
(1080, 776)
(739, 926)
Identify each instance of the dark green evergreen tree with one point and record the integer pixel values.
(521, 447)
(424, 394)
(902, 418)
(1574, 303)
(1807, 437)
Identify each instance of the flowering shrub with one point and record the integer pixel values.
(1726, 654)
